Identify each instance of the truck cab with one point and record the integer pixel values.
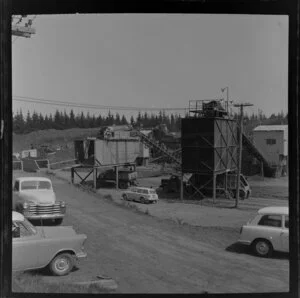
(34, 197)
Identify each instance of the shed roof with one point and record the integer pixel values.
(271, 128)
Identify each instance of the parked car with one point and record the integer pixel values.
(141, 194)
(126, 178)
(34, 197)
(57, 248)
(267, 231)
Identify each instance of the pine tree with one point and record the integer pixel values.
(18, 122)
(118, 119)
(72, 119)
(123, 120)
(28, 125)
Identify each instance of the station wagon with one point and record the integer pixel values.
(141, 194)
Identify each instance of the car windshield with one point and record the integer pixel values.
(44, 185)
(29, 185)
(244, 182)
(152, 191)
(29, 226)
(26, 228)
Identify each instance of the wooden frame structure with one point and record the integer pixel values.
(94, 169)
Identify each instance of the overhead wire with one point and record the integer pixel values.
(91, 106)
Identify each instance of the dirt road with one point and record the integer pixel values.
(144, 254)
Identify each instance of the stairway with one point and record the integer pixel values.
(158, 148)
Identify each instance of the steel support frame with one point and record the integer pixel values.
(94, 171)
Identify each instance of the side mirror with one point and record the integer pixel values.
(16, 232)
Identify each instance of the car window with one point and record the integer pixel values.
(16, 187)
(44, 185)
(286, 222)
(270, 220)
(152, 191)
(29, 185)
(25, 230)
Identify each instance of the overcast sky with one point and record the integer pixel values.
(150, 60)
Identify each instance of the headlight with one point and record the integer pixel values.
(62, 204)
(25, 205)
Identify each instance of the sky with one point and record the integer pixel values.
(151, 61)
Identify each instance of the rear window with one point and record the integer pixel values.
(270, 221)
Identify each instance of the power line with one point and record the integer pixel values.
(90, 106)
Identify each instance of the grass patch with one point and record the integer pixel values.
(34, 283)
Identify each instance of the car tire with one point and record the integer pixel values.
(123, 185)
(62, 264)
(262, 248)
(58, 221)
(142, 200)
(125, 197)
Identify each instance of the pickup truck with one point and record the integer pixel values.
(126, 178)
(57, 248)
(35, 199)
(193, 180)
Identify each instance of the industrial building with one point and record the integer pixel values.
(272, 142)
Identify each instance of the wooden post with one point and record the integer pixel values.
(117, 177)
(214, 187)
(72, 175)
(181, 187)
(95, 177)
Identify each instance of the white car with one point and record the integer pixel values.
(141, 194)
(267, 231)
(58, 248)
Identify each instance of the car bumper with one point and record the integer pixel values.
(246, 242)
(81, 255)
(43, 216)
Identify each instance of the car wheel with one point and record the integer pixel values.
(58, 221)
(62, 264)
(125, 197)
(262, 248)
(142, 200)
(123, 185)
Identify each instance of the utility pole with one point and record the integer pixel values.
(227, 97)
(241, 106)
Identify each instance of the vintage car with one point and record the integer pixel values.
(37, 247)
(141, 194)
(35, 199)
(267, 231)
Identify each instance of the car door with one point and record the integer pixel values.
(270, 227)
(24, 255)
(284, 235)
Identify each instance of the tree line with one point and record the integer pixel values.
(63, 120)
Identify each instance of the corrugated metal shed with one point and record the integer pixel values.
(271, 128)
